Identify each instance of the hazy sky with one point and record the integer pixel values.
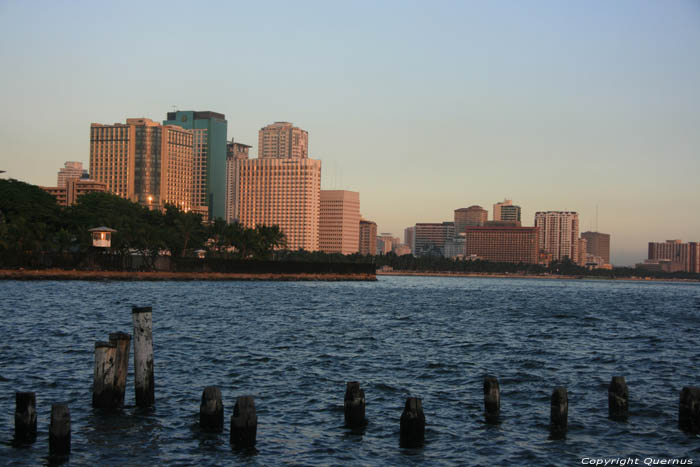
(423, 107)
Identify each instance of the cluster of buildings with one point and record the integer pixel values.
(471, 235)
(187, 161)
(673, 256)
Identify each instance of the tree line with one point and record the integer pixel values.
(32, 225)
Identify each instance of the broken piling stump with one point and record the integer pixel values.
(211, 410)
(143, 356)
(412, 424)
(103, 381)
(354, 405)
(25, 417)
(559, 413)
(121, 367)
(618, 399)
(59, 431)
(492, 399)
(244, 423)
(689, 410)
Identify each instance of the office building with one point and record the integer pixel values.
(502, 243)
(675, 255)
(209, 174)
(74, 188)
(598, 244)
(282, 192)
(506, 211)
(455, 247)
(368, 237)
(430, 238)
(339, 223)
(471, 216)
(234, 152)
(283, 140)
(71, 170)
(582, 251)
(558, 234)
(143, 162)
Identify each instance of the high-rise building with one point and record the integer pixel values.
(339, 223)
(598, 244)
(409, 237)
(234, 152)
(558, 234)
(506, 211)
(368, 238)
(582, 251)
(144, 162)
(282, 192)
(682, 256)
(430, 238)
(502, 243)
(71, 170)
(283, 140)
(472, 216)
(385, 243)
(209, 159)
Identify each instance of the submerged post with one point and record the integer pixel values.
(25, 417)
(618, 399)
(59, 431)
(103, 382)
(143, 356)
(412, 424)
(121, 367)
(559, 413)
(354, 405)
(211, 410)
(244, 423)
(689, 410)
(492, 399)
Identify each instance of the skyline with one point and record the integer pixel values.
(421, 109)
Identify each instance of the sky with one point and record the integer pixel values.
(423, 107)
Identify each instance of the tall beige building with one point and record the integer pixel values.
(598, 244)
(339, 222)
(506, 211)
(235, 152)
(473, 216)
(70, 171)
(282, 192)
(144, 162)
(368, 238)
(283, 140)
(558, 234)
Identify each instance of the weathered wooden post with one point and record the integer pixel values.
(618, 399)
(143, 356)
(25, 417)
(211, 410)
(244, 423)
(59, 431)
(103, 381)
(354, 405)
(121, 367)
(492, 399)
(689, 410)
(559, 413)
(412, 424)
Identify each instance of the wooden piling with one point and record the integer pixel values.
(412, 424)
(244, 423)
(492, 399)
(25, 417)
(618, 399)
(103, 381)
(121, 367)
(559, 413)
(143, 356)
(59, 431)
(211, 410)
(354, 405)
(689, 410)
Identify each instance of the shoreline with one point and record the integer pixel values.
(526, 276)
(75, 275)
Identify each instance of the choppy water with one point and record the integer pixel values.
(294, 345)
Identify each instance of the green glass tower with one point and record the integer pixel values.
(210, 157)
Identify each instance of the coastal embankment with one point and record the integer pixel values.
(526, 276)
(80, 275)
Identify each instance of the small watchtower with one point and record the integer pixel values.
(102, 237)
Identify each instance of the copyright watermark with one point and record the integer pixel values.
(622, 461)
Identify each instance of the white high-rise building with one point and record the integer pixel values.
(71, 170)
(506, 211)
(339, 224)
(558, 234)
